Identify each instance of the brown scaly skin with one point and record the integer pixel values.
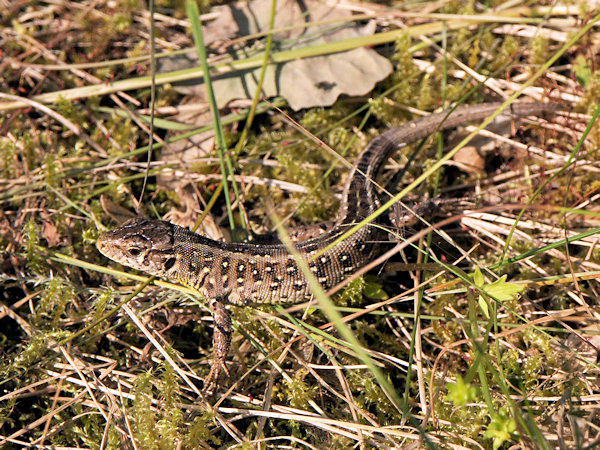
(266, 273)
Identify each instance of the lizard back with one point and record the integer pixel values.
(241, 273)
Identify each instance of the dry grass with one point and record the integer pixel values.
(93, 359)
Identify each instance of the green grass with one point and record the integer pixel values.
(471, 333)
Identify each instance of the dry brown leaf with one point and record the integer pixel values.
(469, 160)
(51, 234)
(304, 83)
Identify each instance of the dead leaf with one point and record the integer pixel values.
(469, 160)
(114, 211)
(304, 83)
(51, 234)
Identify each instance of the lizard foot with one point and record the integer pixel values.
(211, 380)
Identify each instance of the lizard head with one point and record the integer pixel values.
(142, 244)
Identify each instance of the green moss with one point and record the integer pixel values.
(427, 94)
(532, 367)
(368, 395)
(505, 55)
(171, 419)
(199, 431)
(121, 131)
(403, 79)
(34, 151)
(51, 169)
(34, 257)
(511, 362)
(53, 301)
(459, 7)
(469, 415)
(22, 359)
(539, 51)
(301, 162)
(158, 425)
(72, 112)
(143, 416)
(339, 441)
(8, 158)
(445, 331)
(474, 54)
(321, 202)
(267, 335)
(296, 392)
(102, 303)
(90, 430)
(591, 96)
(120, 22)
(352, 294)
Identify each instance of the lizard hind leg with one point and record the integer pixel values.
(403, 218)
(423, 212)
(221, 342)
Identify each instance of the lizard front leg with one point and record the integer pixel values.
(221, 341)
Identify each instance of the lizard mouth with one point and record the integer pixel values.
(101, 244)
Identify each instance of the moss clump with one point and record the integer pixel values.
(539, 51)
(406, 75)
(294, 168)
(301, 161)
(53, 301)
(296, 391)
(121, 131)
(369, 395)
(160, 426)
(27, 354)
(8, 158)
(352, 294)
(35, 260)
(505, 54)
(199, 431)
(143, 415)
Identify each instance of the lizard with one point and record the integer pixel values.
(254, 273)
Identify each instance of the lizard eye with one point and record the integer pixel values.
(134, 251)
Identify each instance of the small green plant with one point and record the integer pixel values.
(502, 428)
(498, 290)
(461, 393)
